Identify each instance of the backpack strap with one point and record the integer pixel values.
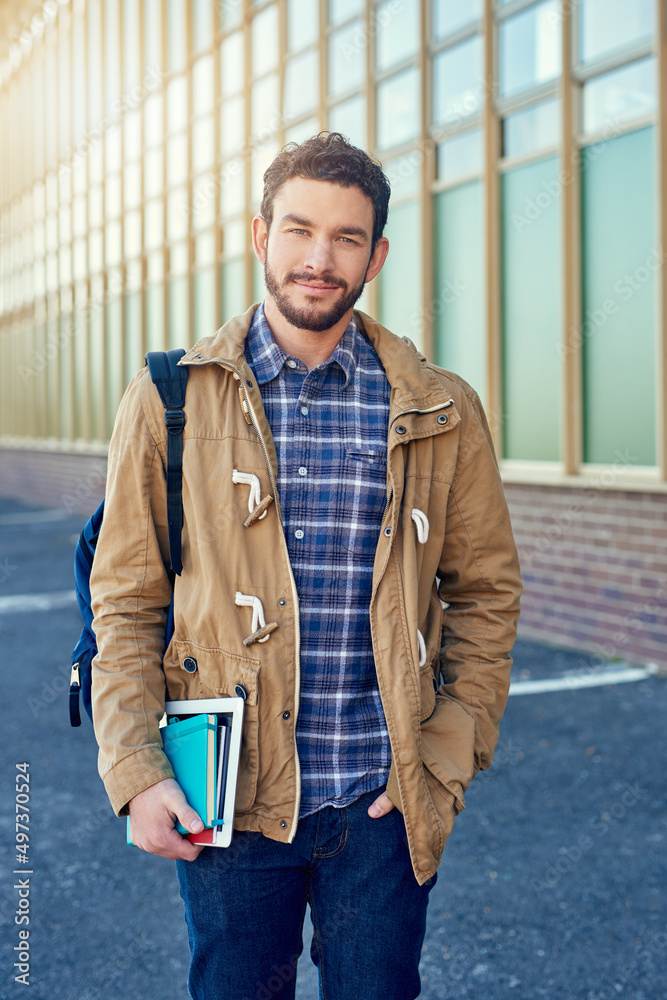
(170, 380)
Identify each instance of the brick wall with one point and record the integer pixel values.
(53, 479)
(594, 565)
(594, 560)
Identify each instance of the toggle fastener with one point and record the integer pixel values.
(256, 505)
(260, 630)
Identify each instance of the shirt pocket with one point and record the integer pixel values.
(366, 499)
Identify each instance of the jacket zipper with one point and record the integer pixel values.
(295, 596)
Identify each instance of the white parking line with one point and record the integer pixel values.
(621, 674)
(571, 682)
(37, 602)
(34, 517)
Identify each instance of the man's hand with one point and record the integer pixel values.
(381, 806)
(153, 815)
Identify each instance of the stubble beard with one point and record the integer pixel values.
(312, 318)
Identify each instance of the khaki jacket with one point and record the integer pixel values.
(443, 729)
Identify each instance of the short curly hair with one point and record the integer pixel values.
(329, 156)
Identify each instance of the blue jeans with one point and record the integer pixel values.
(245, 906)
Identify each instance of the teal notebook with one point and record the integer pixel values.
(190, 747)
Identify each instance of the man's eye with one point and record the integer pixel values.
(297, 231)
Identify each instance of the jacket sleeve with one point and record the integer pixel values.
(480, 581)
(131, 591)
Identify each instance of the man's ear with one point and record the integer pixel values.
(378, 258)
(260, 234)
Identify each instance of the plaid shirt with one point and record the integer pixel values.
(330, 431)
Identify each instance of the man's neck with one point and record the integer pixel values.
(308, 346)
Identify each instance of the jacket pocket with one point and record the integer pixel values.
(218, 674)
(426, 692)
(448, 755)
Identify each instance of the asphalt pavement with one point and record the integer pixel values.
(552, 885)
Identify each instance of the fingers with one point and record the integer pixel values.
(168, 843)
(153, 816)
(381, 806)
(187, 817)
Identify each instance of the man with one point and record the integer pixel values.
(376, 504)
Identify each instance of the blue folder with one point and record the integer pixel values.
(190, 746)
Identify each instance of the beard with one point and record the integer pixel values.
(313, 317)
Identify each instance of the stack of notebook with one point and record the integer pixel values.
(202, 741)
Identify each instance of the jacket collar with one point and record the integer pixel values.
(414, 383)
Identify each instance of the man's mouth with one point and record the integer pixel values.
(316, 287)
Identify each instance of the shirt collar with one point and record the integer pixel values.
(267, 359)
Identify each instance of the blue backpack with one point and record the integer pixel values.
(170, 381)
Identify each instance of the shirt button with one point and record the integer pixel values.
(291, 363)
(298, 533)
(303, 470)
(304, 410)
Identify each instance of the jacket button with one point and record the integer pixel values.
(442, 418)
(282, 602)
(190, 664)
(401, 429)
(283, 823)
(240, 691)
(286, 715)
(387, 531)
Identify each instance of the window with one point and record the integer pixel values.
(301, 85)
(302, 24)
(457, 91)
(532, 129)
(461, 155)
(451, 15)
(397, 33)
(617, 97)
(398, 109)
(620, 264)
(605, 26)
(530, 50)
(350, 119)
(531, 311)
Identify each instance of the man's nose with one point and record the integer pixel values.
(320, 256)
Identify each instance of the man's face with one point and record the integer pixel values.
(317, 255)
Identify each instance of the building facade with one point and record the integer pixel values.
(525, 143)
